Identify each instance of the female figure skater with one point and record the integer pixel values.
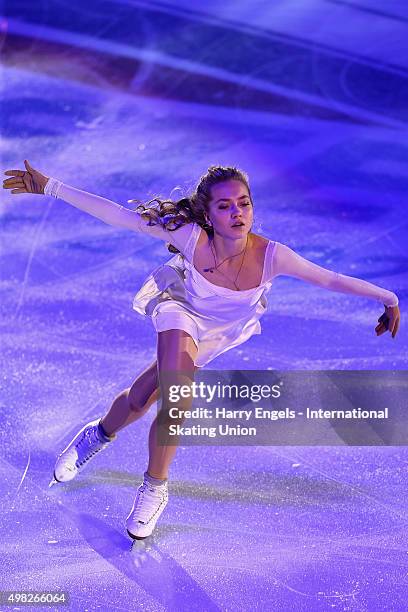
(205, 300)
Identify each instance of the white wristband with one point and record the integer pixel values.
(391, 301)
(52, 187)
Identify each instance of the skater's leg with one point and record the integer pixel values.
(128, 406)
(176, 352)
(132, 403)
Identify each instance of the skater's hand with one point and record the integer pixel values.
(390, 321)
(28, 181)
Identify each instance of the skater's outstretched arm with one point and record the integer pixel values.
(32, 181)
(287, 262)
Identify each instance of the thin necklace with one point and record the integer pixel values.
(220, 264)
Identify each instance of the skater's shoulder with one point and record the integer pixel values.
(259, 243)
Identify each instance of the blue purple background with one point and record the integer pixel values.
(130, 99)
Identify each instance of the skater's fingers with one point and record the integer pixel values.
(393, 325)
(19, 191)
(15, 172)
(8, 183)
(380, 330)
(396, 327)
(28, 166)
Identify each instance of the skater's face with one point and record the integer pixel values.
(230, 205)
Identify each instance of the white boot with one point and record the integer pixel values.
(86, 444)
(149, 503)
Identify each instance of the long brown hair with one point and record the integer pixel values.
(191, 209)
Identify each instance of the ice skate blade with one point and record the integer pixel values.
(136, 537)
(53, 482)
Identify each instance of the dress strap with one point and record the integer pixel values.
(268, 262)
(192, 242)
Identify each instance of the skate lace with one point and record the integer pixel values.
(90, 439)
(148, 503)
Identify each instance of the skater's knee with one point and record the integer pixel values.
(143, 391)
(140, 400)
(134, 401)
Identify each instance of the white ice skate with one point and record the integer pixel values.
(86, 444)
(149, 503)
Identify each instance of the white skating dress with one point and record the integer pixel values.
(176, 296)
